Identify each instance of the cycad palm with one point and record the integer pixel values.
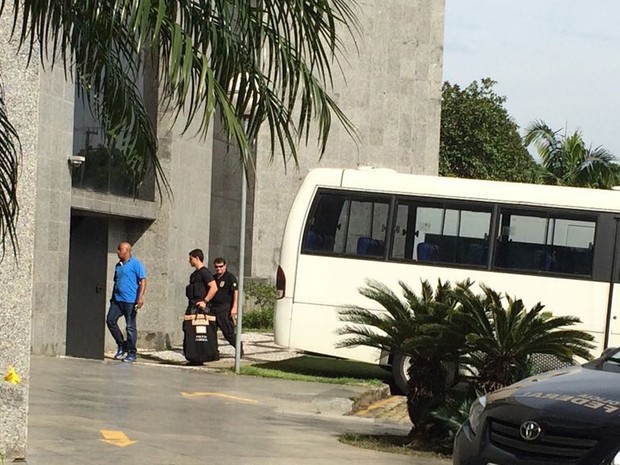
(412, 326)
(501, 339)
(566, 161)
(452, 331)
(258, 61)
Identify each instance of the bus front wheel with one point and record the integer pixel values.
(400, 372)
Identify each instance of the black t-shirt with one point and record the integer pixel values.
(226, 287)
(199, 281)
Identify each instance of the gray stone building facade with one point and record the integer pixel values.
(390, 89)
(54, 294)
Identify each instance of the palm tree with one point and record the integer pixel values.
(266, 62)
(501, 340)
(412, 326)
(566, 161)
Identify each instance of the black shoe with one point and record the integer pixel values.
(120, 353)
(194, 364)
(130, 358)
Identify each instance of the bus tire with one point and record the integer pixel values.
(400, 372)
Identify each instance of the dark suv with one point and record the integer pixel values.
(563, 417)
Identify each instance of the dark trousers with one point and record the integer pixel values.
(225, 323)
(127, 310)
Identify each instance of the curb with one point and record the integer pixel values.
(380, 405)
(365, 400)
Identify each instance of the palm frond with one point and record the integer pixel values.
(502, 338)
(567, 161)
(267, 63)
(391, 326)
(10, 152)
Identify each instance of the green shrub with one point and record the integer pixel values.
(258, 319)
(264, 300)
(264, 295)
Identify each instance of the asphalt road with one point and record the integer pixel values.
(108, 412)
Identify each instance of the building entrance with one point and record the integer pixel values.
(86, 303)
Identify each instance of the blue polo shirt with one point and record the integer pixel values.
(127, 277)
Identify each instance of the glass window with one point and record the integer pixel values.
(347, 225)
(440, 234)
(545, 243)
(104, 168)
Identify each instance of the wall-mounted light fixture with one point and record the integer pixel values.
(76, 160)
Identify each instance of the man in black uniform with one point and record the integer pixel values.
(201, 287)
(199, 345)
(224, 303)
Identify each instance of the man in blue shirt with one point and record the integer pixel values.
(127, 298)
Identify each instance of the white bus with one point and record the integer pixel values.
(555, 245)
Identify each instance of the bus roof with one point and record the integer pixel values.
(391, 182)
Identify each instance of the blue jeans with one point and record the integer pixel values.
(126, 309)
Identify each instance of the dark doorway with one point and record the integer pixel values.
(86, 304)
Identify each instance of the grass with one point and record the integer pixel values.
(321, 369)
(395, 444)
(258, 330)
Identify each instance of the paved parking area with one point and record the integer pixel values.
(102, 412)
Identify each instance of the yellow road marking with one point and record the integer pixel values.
(218, 394)
(116, 438)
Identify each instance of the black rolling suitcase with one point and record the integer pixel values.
(199, 337)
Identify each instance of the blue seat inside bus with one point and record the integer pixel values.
(453, 249)
(318, 242)
(539, 257)
(426, 251)
(370, 247)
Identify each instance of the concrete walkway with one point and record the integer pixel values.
(261, 348)
(258, 348)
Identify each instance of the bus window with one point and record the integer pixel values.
(323, 224)
(546, 244)
(437, 234)
(346, 225)
(402, 239)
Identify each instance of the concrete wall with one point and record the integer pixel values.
(391, 91)
(53, 216)
(22, 89)
(227, 177)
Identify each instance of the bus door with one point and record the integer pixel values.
(612, 337)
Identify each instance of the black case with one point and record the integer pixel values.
(199, 337)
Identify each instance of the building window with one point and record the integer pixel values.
(102, 170)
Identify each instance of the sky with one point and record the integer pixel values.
(554, 60)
